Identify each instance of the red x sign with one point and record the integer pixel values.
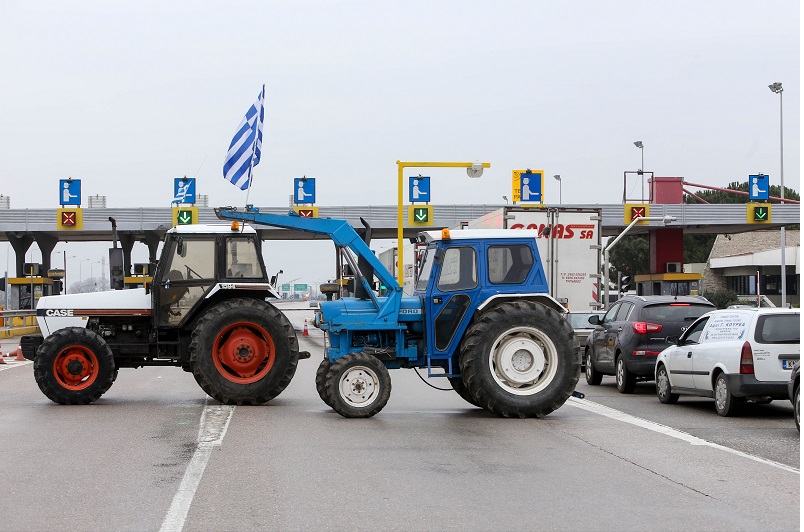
(68, 218)
(637, 212)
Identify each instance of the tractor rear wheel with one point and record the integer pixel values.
(74, 366)
(243, 352)
(321, 380)
(460, 388)
(518, 360)
(358, 385)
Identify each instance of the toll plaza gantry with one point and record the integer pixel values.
(22, 227)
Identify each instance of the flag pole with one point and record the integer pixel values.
(256, 138)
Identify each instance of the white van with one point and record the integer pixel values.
(732, 355)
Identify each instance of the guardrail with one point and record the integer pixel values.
(11, 319)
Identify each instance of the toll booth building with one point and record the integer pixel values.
(738, 260)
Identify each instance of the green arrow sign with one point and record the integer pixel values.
(421, 215)
(760, 214)
(184, 217)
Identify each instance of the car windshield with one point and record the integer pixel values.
(674, 312)
(580, 320)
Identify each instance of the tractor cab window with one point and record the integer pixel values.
(242, 261)
(424, 269)
(193, 259)
(458, 270)
(189, 272)
(509, 264)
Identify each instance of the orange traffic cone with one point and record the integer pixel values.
(305, 333)
(1, 359)
(19, 358)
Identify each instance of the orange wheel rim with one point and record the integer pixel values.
(243, 353)
(76, 367)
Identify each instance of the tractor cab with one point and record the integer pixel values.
(196, 260)
(460, 272)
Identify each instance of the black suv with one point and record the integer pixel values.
(627, 339)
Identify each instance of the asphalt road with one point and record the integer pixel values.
(428, 461)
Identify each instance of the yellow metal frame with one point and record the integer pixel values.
(296, 209)
(193, 215)
(79, 219)
(401, 165)
(749, 213)
(412, 218)
(627, 212)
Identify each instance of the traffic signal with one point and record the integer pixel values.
(69, 219)
(420, 214)
(632, 211)
(306, 212)
(185, 215)
(758, 213)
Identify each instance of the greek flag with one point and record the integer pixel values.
(244, 151)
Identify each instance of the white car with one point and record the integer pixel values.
(732, 355)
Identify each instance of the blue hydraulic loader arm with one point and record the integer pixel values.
(343, 235)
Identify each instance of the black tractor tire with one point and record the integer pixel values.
(518, 359)
(321, 380)
(358, 385)
(243, 352)
(459, 386)
(626, 381)
(593, 376)
(74, 366)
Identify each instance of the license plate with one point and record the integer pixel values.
(788, 364)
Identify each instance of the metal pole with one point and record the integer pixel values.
(664, 219)
(781, 174)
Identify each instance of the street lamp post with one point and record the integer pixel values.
(81, 269)
(558, 178)
(641, 171)
(473, 169)
(777, 88)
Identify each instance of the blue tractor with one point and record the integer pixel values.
(480, 316)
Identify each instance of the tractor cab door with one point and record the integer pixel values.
(186, 271)
(449, 298)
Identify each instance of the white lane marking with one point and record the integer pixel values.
(15, 364)
(214, 423)
(612, 413)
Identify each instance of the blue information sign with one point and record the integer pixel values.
(758, 187)
(184, 190)
(530, 187)
(303, 190)
(70, 192)
(418, 189)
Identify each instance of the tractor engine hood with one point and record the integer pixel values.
(329, 316)
(73, 310)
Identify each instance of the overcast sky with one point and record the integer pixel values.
(128, 95)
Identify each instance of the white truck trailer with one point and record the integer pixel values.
(569, 245)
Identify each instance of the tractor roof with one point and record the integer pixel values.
(212, 228)
(466, 234)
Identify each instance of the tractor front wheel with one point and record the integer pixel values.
(518, 360)
(74, 366)
(358, 385)
(321, 380)
(243, 352)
